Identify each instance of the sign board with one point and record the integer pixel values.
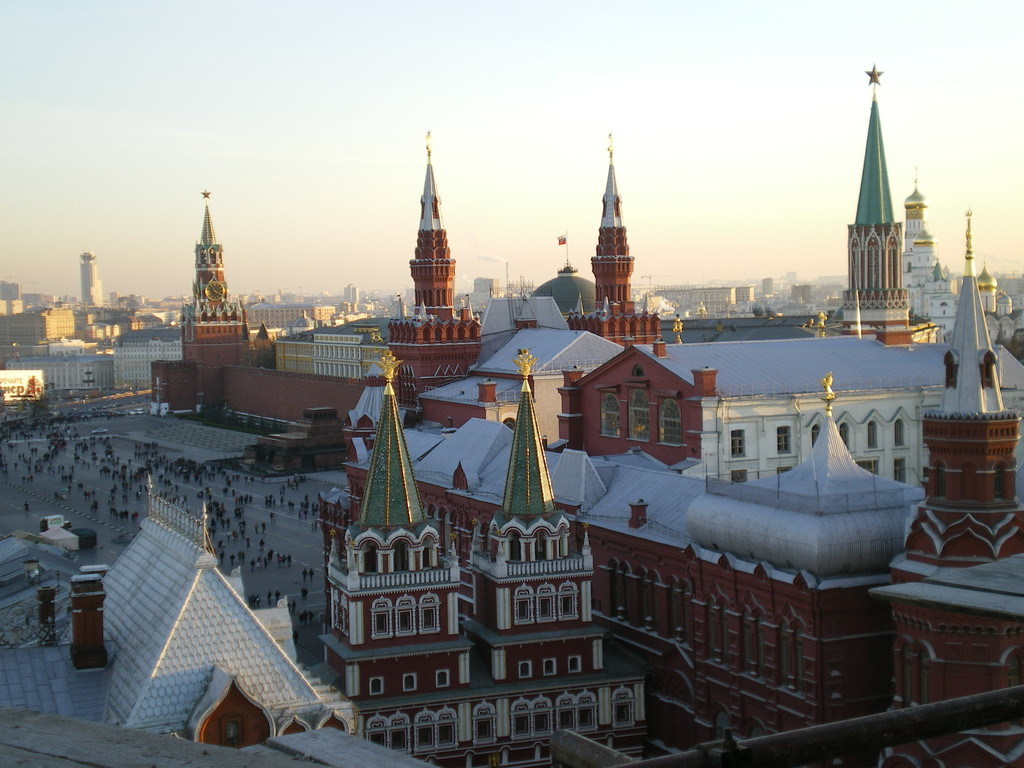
(22, 385)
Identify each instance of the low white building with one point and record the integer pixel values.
(70, 372)
(136, 351)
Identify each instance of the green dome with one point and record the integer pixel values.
(567, 289)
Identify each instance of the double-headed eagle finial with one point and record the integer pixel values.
(524, 362)
(388, 364)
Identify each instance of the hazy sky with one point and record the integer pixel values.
(739, 134)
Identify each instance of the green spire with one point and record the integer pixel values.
(875, 203)
(528, 485)
(390, 497)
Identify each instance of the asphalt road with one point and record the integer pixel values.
(27, 478)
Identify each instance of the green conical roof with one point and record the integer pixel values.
(875, 203)
(528, 485)
(390, 497)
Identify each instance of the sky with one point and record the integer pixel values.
(739, 132)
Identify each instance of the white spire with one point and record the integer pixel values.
(972, 378)
(612, 215)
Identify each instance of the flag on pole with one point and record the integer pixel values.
(561, 239)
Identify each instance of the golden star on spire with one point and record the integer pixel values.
(873, 75)
(206, 195)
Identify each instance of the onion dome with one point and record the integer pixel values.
(986, 282)
(916, 201)
(924, 237)
(567, 289)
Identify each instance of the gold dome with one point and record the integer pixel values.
(924, 237)
(985, 280)
(916, 201)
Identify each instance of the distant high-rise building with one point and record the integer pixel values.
(350, 294)
(768, 286)
(92, 291)
(10, 291)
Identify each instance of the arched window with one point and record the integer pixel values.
(623, 701)
(798, 659)
(484, 731)
(670, 425)
(844, 434)
(515, 546)
(400, 558)
(899, 438)
(785, 655)
(369, 558)
(872, 434)
(639, 416)
(747, 663)
(815, 433)
(647, 587)
(610, 415)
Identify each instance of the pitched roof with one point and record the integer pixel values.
(874, 205)
(174, 617)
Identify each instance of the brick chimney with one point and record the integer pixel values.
(637, 513)
(705, 381)
(487, 391)
(659, 348)
(87, 595)
(571, 376)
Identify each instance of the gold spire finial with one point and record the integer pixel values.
(873, 75)
(677, 329)
(206, 195)
(428, 146)
(611, 148)
(829, 396)
(524, 362)
(388, 365)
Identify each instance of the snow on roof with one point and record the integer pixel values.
(174, 617)
(477, 445)
(501, 313)
(555, 350)
(827, 516)
(465, 390)
(797, 365)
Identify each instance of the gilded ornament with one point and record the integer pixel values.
(524, 362)
(388, 364)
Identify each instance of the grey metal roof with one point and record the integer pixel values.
(793, 366)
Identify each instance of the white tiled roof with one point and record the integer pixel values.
(797, 365)
(174, 618)
(555, 351)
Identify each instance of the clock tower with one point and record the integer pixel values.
(214, 332)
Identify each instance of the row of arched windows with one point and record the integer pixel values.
(638, 426)
(428, 730)
(405, 617)
(545, 603)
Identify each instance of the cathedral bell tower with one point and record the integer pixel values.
(436, 344)
(615, 317)
(214, 331)
(876, 300)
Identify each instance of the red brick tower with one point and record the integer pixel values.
(615, 317)
(955, 599)
(436, 345)
(214, 331)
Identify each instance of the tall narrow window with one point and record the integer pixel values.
(610, 415)
(939, 475)
(844, 434)
(737, 442)
(999, 482)
(670, 426)
(872, 434)
(639, 415)
(898, 435)
(899, 470)
(783, 442)
(815, 433)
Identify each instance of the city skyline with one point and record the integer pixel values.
(739, 137)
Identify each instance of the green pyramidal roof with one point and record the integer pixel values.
(875, 203)
(528, 485)
(390, 497)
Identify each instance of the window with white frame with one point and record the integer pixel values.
(409, 681)
(783, 440)
(429, 612)
(550, 666)
(568, 600)
(737, 443)
(546, 603)
(639, 416)
(872, 434)
(376, 686)
(525, 669)
(380, 618)
(484, 723)
(670, 424)
(610, 415)
(405, 616)
(623, 708)
(523, 605)
(398, 733)
(441, 678)
(575, 663)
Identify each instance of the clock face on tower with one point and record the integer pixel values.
(215, 290)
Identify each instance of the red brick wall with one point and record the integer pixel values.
(283, 394)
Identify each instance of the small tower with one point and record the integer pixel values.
(615, 317)
(529, 580)
(214, 330)
(876, 297)
(436, 344)
(972, 514)
(391, 586)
